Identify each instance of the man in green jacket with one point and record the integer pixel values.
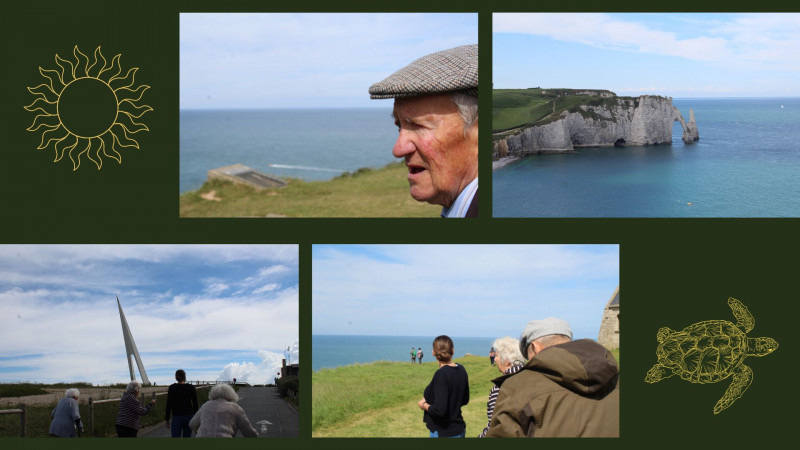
(567, 389)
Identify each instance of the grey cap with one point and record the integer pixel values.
(450, 70)
(539, 328)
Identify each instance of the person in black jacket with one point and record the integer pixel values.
(447, 392)
(182, 404)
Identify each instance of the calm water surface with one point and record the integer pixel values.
(317, 144)
(746, 164)
(330, 351)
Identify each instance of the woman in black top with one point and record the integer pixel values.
(446, 394)
(182, 403)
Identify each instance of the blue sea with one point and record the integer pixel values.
(330, 351)
(746, 164)
(310, 144)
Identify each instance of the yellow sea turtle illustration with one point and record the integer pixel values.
(711, 351)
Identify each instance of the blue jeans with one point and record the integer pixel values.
(435, 434)
(180, 426)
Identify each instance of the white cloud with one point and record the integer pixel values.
(267, 288)
(759, 41)
(405, 289)
(263, 372)
(264, 59)
(58, 324)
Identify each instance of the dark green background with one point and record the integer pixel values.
(674, 272)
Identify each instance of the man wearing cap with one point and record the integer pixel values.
(567, 389)
(436, 112)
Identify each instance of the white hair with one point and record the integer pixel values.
(224, 391)
(507, 349)
(467, 109)
(133, 386)
(72, 393)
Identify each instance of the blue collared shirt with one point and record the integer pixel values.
(461, 205)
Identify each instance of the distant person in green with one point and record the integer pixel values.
(413, 355)
(66, 417)
(447, 392)
(181, 404)
(419, 355)
(436, 113)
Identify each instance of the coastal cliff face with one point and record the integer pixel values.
(646, 120)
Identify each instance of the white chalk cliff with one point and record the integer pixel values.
(646, 120)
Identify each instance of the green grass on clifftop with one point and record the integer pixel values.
(515, 108)
(366, 193)
(380, 399)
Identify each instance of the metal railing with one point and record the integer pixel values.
(23, 418)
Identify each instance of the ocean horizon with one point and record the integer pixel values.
(331, 351)
(310, 144)
(746, 164)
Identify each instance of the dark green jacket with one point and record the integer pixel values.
(567, 390)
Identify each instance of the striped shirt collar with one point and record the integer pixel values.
(461, 205)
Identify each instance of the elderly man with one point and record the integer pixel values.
(436, 112)
(567, 389)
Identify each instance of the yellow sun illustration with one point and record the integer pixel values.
(88, 109)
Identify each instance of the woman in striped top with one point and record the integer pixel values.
(509, 361)
(130, 410)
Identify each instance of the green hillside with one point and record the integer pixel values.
(380, 399)
(514, 108)
(367, 192)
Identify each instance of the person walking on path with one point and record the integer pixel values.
(130, 411)
(220, 416)
(182, 404)
(419, 355)
(66, 417)
(492, 356)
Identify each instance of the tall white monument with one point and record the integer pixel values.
(130, 348)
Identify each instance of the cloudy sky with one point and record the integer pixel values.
(217, 312)
(282, 60)
(679, 55)
(459, 290)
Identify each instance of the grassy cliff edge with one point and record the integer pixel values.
(367, 192)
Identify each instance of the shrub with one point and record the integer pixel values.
(288, 384)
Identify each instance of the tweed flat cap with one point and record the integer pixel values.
(539, 328)
(450, 70)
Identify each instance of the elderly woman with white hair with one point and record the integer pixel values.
(509, 361)
(220, 416)
(66, 417)
(130, 411)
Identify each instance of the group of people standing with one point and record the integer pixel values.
(551, 386)
(416, 355)
(220, 416)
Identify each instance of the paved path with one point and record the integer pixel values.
(260, 404)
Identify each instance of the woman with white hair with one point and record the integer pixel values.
(220, 416)
(130, 411)
(66, 417)
(509, 361)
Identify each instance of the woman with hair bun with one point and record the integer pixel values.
(447, 392)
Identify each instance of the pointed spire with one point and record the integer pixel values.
(130, 348)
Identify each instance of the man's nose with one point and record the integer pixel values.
(403, 146)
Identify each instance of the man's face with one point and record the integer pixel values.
(441, 160)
